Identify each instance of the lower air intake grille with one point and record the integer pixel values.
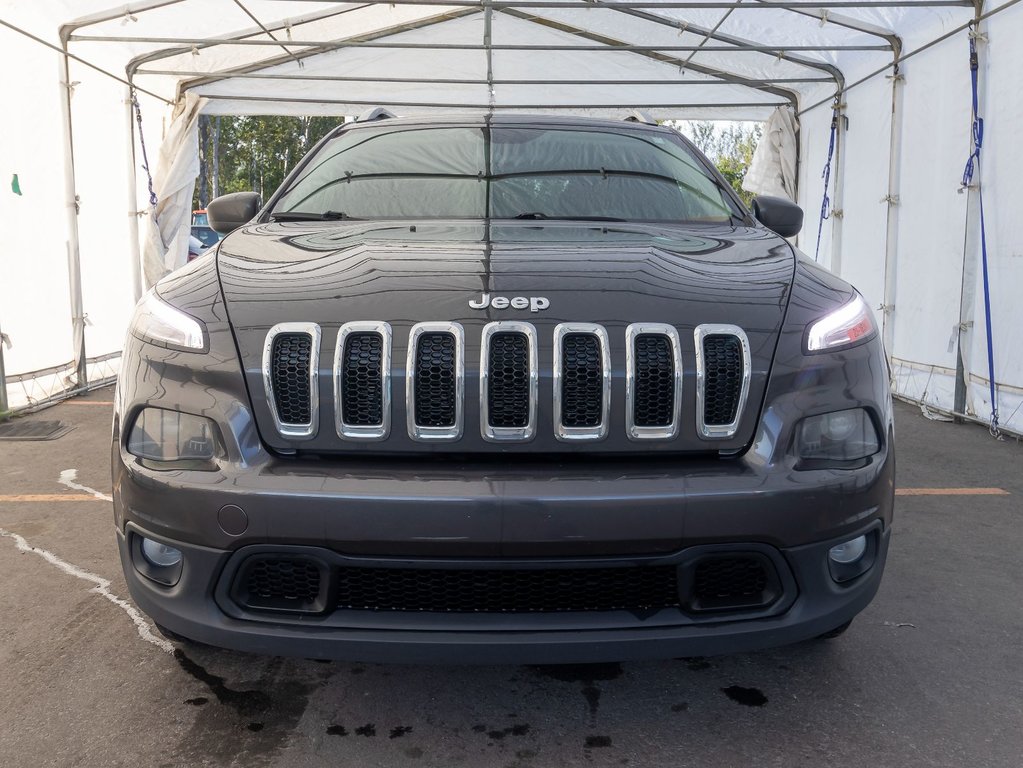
(582, 382)
(731, 581)
(435, 383)
(723, 372)
(289, 376)
(280, 583)
(361, 380)
(508, 382)
(507, 591)
(655, 381)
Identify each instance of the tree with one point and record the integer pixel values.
(254, 153)
(730, 146)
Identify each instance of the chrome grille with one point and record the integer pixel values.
(435, 381)
(290, 361)
(723, 378)
(362, 380)
(582, 382)
(653, 381)
(508, 381)
(509, 375)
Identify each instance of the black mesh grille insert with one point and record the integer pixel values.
(281, 583)
(361, 384)
(508, 380)
(731, 581)
(508, 591)
(582, 381)
(289, 374)
(435, 380)
(654, 404)
(723, 364)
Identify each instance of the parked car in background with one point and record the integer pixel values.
(195, 247)
(200, 217)
(206, 235)
(509, 390)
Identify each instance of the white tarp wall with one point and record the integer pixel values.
(915, 258)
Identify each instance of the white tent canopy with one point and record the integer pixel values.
(879, 90)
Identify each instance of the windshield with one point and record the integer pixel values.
(506, 173)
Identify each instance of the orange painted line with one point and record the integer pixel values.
(47, 497)
(950, 492)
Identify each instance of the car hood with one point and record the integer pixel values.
(612, 274)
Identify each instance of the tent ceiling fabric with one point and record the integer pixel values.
(900, 227)
(676, 59)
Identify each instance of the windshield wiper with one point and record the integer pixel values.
(539, 215)
(311, 216)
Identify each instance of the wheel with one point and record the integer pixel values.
(836, 632)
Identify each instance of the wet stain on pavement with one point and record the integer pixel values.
(243, 702)
(598, 742)
(680, 707)
(198, 701)
(514, 730)
(587, 674)
(401, 730)
(267, 708)
(749, 697)
(579, 673)
(369, 729)
(337, 730)
(696, 663)
(414, 752)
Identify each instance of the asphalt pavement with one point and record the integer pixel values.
(931, 674)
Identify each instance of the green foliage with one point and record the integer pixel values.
(253, 153)
(730, 146)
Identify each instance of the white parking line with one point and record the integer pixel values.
(102, 588)
(68, 477)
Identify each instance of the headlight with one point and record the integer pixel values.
(839, 436)
(845, 326)
(162, 435)
(156, 321)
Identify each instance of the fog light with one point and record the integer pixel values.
(850, 551)
(159, 554)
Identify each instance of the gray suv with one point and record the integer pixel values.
(504, 389)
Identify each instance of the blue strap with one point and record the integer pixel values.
(826, 203)
(973, 166)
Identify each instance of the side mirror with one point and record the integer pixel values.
(228, 212)
(777, 214)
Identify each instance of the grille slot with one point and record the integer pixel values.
(723, 371)
(362, 380)
(582, 382)
(435, 381)
(653, 381)
(548, 590)
(508, 381)
(733, 581)
(282, 584)
(290, 361)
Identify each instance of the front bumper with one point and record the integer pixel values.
(466, 515)
(191, 609)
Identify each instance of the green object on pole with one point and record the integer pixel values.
(15, 186)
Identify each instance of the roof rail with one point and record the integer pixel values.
(377, 113)
(639, 116)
